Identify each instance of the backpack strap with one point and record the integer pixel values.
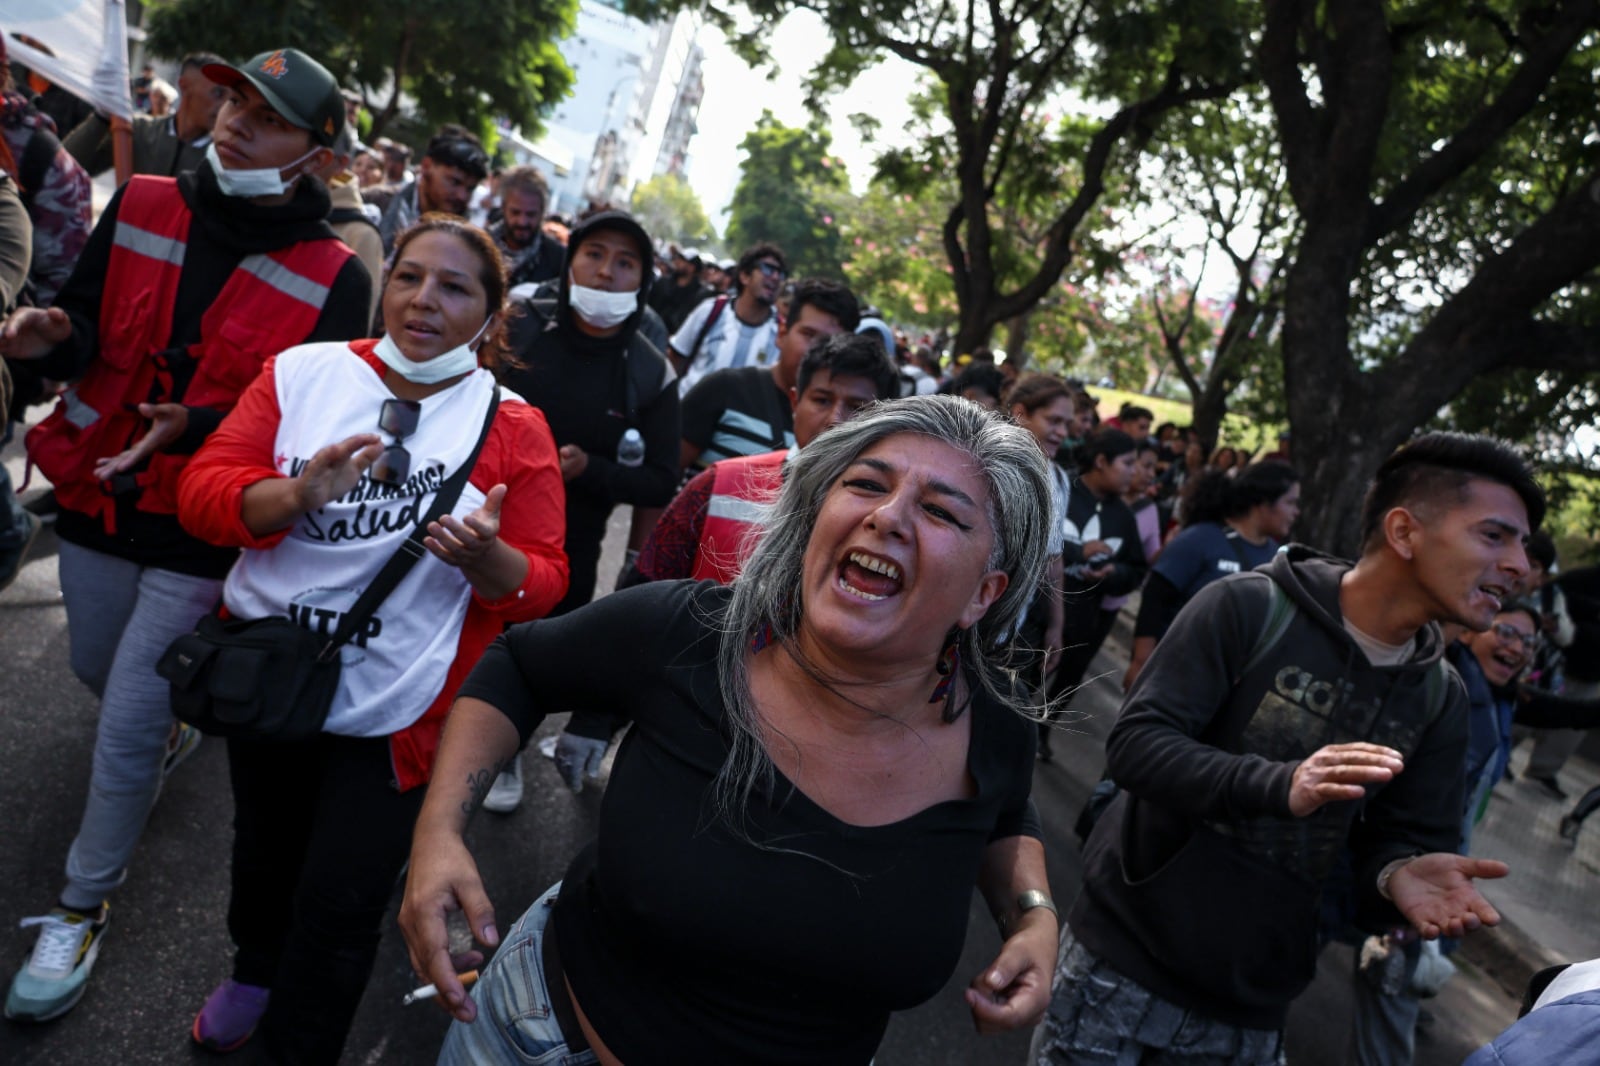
(648, 374)
(715, 313)
(1280, 612)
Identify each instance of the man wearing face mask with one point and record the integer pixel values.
(608, 393)
(185, 288)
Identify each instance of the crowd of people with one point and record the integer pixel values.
(862, 588)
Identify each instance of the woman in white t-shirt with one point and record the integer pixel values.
(324, 468)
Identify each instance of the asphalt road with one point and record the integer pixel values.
(167, 945)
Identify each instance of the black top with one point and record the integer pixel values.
(738, 411)
(223, 231)
(684, 942)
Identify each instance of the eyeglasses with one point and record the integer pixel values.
(398, 418)
(1512, 635)
(772, 270)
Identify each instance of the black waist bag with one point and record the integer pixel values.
(252, 679)
(270, 679)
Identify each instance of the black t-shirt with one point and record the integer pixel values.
(684, 942)
(740, 411)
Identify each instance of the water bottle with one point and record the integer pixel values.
(630, 449)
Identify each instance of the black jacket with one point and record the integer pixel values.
(592, 390)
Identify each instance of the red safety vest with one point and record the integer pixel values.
(740, 489)
(270, 302)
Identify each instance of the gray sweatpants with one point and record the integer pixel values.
(120, 618)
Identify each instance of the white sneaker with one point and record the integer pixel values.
(505, 795)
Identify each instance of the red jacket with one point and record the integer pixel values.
(519, 452)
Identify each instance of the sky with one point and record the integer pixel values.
(736, 95)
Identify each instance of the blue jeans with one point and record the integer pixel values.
(121, 617)
(1098, 1017)
(515, 1022)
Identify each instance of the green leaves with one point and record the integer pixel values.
(466, 63)
(789, 187)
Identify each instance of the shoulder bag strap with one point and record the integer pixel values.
(406, 556)
(711, 319)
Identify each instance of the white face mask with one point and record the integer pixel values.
(263, 181)
(462, 359)
(599, 308)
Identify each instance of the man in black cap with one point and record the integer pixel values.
(608, 393)
(452, 165)
(185, 288)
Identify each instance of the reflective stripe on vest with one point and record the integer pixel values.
(740, 490)
(735, 509)
(285, 280)
(145, 243)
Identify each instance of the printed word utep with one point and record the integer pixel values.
(324, 620)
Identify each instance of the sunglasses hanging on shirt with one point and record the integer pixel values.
(398, 418)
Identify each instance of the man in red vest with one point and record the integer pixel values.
(186, 287)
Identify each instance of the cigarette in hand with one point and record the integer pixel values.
(430, 991)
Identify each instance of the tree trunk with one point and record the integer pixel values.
(1208, 411)
(973, 332)
(1017, 340)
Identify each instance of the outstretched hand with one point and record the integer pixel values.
(167, 423)
(335, 470)
(1436, 894)
(1013, 991)
(1340, 772)
(463, 542)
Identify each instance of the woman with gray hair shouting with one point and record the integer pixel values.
(827, 755)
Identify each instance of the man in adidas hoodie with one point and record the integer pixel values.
(1292, 712)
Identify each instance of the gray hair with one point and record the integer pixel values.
(764, 595)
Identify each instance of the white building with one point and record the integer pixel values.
(632, 112)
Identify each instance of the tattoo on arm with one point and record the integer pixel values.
(479, 783)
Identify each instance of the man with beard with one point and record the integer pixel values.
(1265, 739)
(452, 165)
(530, 255)
(738, 331)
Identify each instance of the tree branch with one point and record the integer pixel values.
(1135, 119)
(1487, 127)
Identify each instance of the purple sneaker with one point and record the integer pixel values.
(229, 1016)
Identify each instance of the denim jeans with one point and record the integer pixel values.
(1097, 1017)
(121, 617)
(515, 1022)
